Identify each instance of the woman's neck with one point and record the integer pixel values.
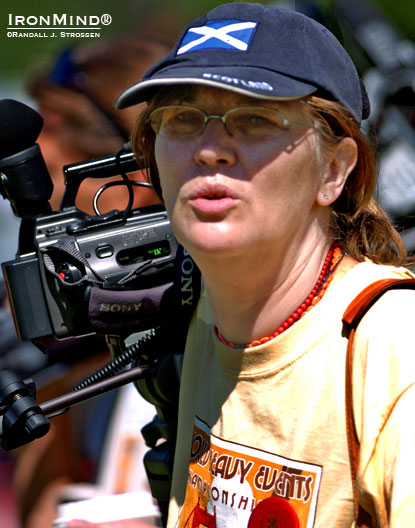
(252, 296)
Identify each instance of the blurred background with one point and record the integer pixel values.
(76, 459)
(18, 56)
(384, 54)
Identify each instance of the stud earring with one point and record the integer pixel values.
(326, 196)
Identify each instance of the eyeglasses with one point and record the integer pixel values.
(254, 122)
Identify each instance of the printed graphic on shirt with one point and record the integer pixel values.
(228, 481)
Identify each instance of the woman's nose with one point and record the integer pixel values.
(215, 146)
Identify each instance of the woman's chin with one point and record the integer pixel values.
(213, 244)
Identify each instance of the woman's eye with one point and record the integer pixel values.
(185, 116)
(256, 119)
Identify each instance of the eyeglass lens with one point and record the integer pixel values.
(178, 121)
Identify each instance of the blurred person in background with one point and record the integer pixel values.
(75, 98)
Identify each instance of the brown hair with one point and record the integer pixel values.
(143, 137)
(359, 225)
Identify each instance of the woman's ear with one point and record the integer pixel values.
(337, 168)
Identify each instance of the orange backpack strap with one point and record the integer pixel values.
(351, 318)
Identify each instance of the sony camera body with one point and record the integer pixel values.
(48, 288)
(65, 255)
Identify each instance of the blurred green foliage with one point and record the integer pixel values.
(400, 13)
(159, 17)
(162, 17)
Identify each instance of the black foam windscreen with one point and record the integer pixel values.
(20, 127)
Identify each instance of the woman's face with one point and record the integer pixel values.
(228, 195)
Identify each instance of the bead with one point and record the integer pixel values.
(330, 263)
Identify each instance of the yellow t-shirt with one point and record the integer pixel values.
(270, 421)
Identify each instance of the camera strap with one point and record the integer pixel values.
(169, 301)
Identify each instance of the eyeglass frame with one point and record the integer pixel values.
(285, 122)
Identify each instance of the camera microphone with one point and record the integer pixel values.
(20, 127)
(24, 178)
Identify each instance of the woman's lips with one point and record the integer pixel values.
(212, 206)
(213, 199)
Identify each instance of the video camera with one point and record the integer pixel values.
(64, 256)
(74, 274)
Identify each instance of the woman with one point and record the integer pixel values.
(252, 135)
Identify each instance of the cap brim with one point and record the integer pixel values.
(267, 84)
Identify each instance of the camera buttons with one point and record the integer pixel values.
(104, 251)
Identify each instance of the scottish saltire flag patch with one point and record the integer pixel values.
(220, 34)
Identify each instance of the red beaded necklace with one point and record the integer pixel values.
(333, 258)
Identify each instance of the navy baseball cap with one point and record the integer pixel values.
(257, 50)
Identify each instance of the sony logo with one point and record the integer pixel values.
(118, 307)
(187, 279)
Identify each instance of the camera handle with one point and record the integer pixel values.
(104, 167)
(25, 420)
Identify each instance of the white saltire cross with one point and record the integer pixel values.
(221, 34)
